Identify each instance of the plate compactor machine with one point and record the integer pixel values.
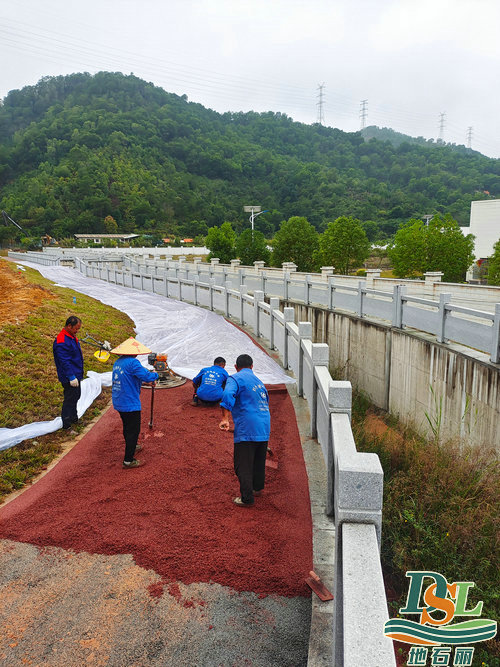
(167, 377)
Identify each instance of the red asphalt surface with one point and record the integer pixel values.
(175, 515)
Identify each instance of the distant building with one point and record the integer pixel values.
(186, 240)
(99, 238)
(485, 225)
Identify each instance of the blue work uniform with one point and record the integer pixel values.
(128, 376)
(68, 358)
(210, 383)
(246, 397)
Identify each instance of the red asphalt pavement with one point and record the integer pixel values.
(175, 515)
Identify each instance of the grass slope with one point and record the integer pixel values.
(29, 388)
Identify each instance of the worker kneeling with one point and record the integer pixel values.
(210, 382)
(128, 376)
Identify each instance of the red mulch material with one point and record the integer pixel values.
(175, 515)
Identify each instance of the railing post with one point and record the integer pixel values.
(274, 304)
(243, 290)
(286, 280)
(305, 333)
(242, 275)
(361, 293)
(263, 281)
(211, 282)
(307, 282)
(195, 289)
(289, 316)
(397, 306)
(495, 336)
(339, 402)
(331, 292)
(440, 334)
(320, 357)
(227, 296)
(371, 274)
(258, 296)
(165, 284)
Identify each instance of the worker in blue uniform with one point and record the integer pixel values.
(246, 398)
(68, 358)
(210, 382)
(127, 378)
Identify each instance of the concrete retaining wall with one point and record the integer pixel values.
(411, 375)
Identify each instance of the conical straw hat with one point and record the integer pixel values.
(131, 346)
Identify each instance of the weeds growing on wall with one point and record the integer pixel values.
(441, 512)
(29, 388)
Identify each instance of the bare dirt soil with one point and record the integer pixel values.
(18, 297)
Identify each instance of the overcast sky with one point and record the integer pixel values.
(412, 60)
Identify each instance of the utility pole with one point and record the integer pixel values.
(320, 104)
(469, 137)
(363, 112)
(427, 218)
(442, 117)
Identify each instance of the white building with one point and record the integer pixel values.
(485, 225)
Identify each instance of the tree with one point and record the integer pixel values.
(220, 241)
(251, 246)
(343, 244)
(440, 246)
(295, 241)
(408, 252)
(494, 265)
(110, 225)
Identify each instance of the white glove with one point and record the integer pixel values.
(74, 383)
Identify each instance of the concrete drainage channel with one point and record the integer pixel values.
(321, 635)
(323, 547)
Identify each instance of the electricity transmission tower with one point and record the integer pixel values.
(320, 103)
(363, 112)
(442, 117)
(469, 137)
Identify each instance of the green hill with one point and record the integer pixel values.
(75, 149)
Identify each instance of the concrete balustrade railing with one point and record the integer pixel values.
(447, 321)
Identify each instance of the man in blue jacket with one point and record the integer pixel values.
(127, 378)
(210, 382)
(246, 397)
(68, 358)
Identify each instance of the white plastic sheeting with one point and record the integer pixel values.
(91, 388)
(191, 336)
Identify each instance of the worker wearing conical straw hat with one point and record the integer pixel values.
(128, 376)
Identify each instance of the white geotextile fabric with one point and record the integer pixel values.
(191, 336)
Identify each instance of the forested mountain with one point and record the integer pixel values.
(79, 148)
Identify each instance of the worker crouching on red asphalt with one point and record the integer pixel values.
(68, 358)
(246, 397)
(128, 376)
(210, 382)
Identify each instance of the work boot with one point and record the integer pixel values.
(135, 463)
